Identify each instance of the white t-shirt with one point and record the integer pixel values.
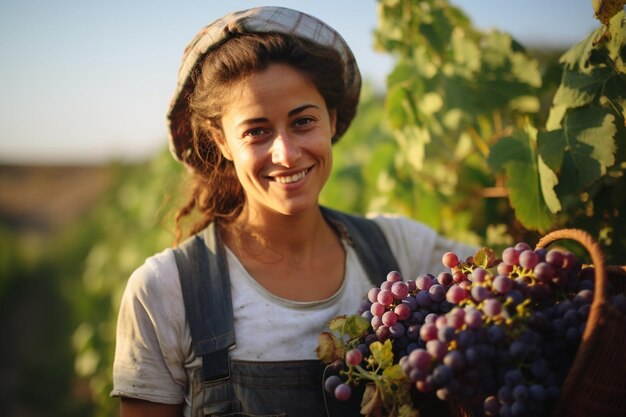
(154, 357)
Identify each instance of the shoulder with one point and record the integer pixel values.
(158, 274)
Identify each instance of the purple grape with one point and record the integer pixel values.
(413, 331)
(385, 297)
(473, 319)
(491, 406)
(402, 311)
(478, 275)
(436, 349)
(372, 295)
(442, 374)
(424, 282)
(377, 309)
(555, 258)
(383, 333)
(522, 246)
(331, 383)
(428, 332)
(390, 318)
(423, 299)
(420, 359)
(544, 272)
(397, 330)
(343, 392)
(504, 269)
(354, 357)
(410, 302)
(454, 360)
(456, 294)
(445, 279)
(394, 276)
(502, 284)
(492, 307)
(528, 259)
(480, 293)
(437, 293)
(450, 260)
(510, 256)
(399, 290)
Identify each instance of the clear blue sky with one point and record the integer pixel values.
(89, 81)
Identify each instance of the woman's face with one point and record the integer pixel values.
(277, 131)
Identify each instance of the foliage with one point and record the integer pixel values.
(132, 222)
(465, 109)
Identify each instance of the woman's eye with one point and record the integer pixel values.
(304, 121)
(257, 131)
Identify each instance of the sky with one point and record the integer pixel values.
(85, 81)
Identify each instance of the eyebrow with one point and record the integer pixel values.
(290, 114)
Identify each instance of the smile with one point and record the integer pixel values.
(292, 178)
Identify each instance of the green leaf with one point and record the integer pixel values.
(587, 145)
(578, 55)
(523, 180)
(484, 257)
(551, 147)
(504, 151)
(355, 326)
(337, 324)
(578, 89)
(526, 197)
(549, 180)
(395, 373)
(382, 353)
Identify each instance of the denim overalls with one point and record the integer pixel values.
(222, 387)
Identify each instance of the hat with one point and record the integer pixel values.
(255, 20)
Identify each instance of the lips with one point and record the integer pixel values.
(288, 179)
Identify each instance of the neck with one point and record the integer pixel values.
(275, 237)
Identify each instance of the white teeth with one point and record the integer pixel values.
(291, 178)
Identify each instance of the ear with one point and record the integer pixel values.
(333, 122)
(217, 135)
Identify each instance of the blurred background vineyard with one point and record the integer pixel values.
(450, 143)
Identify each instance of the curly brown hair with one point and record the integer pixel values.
(216, 193)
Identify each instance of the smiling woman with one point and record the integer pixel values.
(262, 96)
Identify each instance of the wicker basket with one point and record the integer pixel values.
(596, 383)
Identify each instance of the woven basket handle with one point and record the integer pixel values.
(592, 247)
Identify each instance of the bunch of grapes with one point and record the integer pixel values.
(497, 335)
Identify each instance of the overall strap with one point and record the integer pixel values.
(205, 285)
(369, 243)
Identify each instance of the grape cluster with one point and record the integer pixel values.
(503, 333)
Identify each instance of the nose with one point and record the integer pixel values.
(285, 150)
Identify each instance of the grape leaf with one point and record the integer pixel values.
(505, 150)
(337, 324)
(395, 373)
(329, 348)
(549, 180)
(356, 326)
(382, 353)
(372, 404)
(578, 89)
(581, 151)
(485, 257)
(517, 155)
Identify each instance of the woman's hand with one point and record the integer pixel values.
(131, 407)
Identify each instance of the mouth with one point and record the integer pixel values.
(288, 179)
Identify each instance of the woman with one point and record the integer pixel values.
(227, 324)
